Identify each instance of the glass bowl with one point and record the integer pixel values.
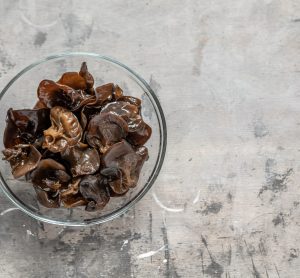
(20, 93)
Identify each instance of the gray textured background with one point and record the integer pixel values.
(227, 202)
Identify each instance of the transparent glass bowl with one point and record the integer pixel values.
(20, 93)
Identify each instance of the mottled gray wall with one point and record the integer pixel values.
(227, 202)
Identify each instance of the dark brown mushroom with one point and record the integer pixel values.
(140, 136)
(104, 130)
(82, 160)
(73, 80)
(22, 158)
(132, 100)
(50, 175)
(81, 80)
(89, 79)
(115, 181)
(129, 113)
(142, 152)
(53, 94)
(117, 93)
(103, 94)
(54, 156)
(143, 155)
(93, 189)
(112, 193)
(73, 188)
(47, 199)
(72, 201)
(129, 163)
(64, 132)
(25, 126)
(138, 131)
(86, 114)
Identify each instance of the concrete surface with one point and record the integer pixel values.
(227, 202)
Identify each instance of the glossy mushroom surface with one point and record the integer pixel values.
(82, 160)
(25, 126)
(22, 158)
(104, 130)
(65, 130)
(93, 189)
(127, 164)
(50, 175)
(47, 199)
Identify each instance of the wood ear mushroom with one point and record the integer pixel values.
(80, 145)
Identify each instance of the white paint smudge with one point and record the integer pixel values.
(165, 207)
(61, 230)
(29, 233)
(151, 253)
(196, 200)
(124, 244)
(165, 261)
(7, 210)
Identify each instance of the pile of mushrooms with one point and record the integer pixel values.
(79, 145)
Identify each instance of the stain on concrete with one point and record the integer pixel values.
(155, 86)
(89, 258)
(81, 255)
(279, 219)
(260, 129)
(294, 253)
(275, 182)
(214, 269)
(77, 30)
(18, 239)
(212, 208)
(202, 262)
(267, 273)
(147, 110)
(255, 272)
(198, 55)
(231, 175)
(270, 163)
(251, 251)
(262, 248)
(229, 197)
(136, 236)
(296, 20)
(5, 63)
(170, 271)
(39, 39)
(229, 255)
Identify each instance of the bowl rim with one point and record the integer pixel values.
(159, 161)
